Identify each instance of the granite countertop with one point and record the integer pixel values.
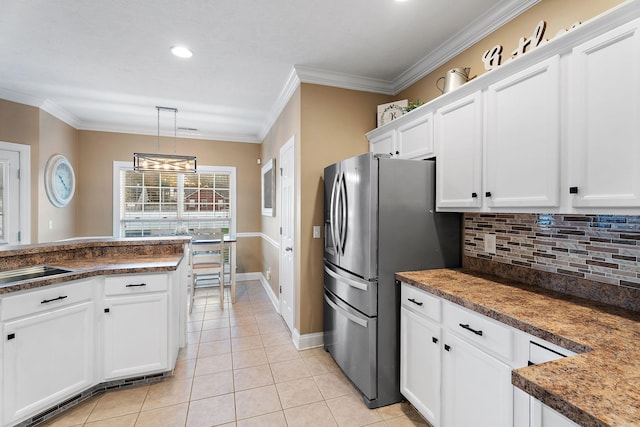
(598, 387)
(92, 257)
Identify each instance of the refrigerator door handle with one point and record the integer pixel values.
(332, 219)
(346, 314)
(352, 283)
(345, 206)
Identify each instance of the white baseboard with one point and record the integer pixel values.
(306, 341)
(245, 277)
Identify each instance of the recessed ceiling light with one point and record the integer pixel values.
(181, 52)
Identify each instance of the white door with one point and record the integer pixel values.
(420, 364)
(287, 224)
(458, 139)
(47, 358)
(135, 335)
(9, 197)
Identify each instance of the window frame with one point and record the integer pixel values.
(119, 166)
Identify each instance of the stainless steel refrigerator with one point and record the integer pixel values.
(379, 218)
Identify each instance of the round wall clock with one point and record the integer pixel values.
(59, 180)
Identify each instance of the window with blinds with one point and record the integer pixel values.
(163, 204)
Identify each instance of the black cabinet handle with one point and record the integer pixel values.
(45, 301)
(11, 336)
(447, 347)
(468, 328)
(573, 190)
(397, 153)
(135, 285)
(487, 194)
(474, 195)
(416, 302)
(435, 340)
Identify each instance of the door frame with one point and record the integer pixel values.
(290, 144)
(24, 219)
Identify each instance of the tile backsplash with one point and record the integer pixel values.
(599, 248)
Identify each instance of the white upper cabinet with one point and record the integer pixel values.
(522, 143)
(458, 138)
(415, 138)
(408, 137)
(604, 120)
(384, 143)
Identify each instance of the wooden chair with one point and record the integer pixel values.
(207, 260)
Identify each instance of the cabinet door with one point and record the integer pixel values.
(384, 144)
(135, 334)
(458, 138)
(604, 125)
(477, 388)
(544, 416)
(522, 144)
(47, 358)
(415, 139)
(420, 356)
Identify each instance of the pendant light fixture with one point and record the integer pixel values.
(147, 162)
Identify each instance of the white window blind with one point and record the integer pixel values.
(162, 204)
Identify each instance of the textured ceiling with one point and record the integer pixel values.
(105, 65)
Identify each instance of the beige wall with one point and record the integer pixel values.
(19, 125)
(558, 14)
(286, 126)
(56, 137)
(334, 122)
(98, 151)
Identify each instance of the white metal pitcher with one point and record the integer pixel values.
(454, 78)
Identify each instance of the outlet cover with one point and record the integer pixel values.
(316, 231)
(490, 243)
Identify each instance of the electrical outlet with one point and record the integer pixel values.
(490, 243)
(316, 231)
(50, 224)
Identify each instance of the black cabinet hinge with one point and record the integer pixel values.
(11, 336)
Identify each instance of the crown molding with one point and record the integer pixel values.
(486, 24)
(142, 130)
(343, 80)
(60, 113)
(20, 97)
(289, 88)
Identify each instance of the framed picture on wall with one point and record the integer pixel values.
(268, 188)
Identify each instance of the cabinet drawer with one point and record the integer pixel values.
(47, 298)
(135, 284)
(421, 302)
(490, 334)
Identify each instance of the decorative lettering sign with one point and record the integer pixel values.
(493, 57)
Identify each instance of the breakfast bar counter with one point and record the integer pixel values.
(600, 386)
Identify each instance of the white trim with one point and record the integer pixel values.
(486, 24)
(307, 341)
(25, 188)
(60, 113)
(272, 296)
(290, 87)
(345, 81)
(245, 277)
(273, 242)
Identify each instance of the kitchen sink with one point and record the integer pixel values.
(26, 273)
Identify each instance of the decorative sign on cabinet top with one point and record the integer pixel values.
(492, 58)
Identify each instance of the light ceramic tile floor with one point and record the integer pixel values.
(240, 368)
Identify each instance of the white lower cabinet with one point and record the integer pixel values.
(49, 348)
(60, 340)
(543, 416)
(136, 325)
(476, 387)
(455, 366)
(421, 350)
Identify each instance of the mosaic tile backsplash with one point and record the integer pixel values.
(600, 248)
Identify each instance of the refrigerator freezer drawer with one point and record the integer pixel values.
(350, 337)
(360, 294)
